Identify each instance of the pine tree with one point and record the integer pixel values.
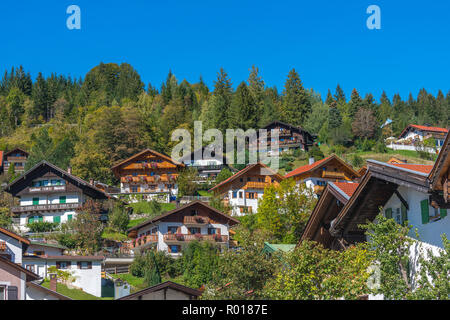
(329, 99)
(221, 105)
(296, 104)
(340, 96)
(354, 104)
(243, 109)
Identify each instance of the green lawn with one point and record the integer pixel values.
(204, 193)
(74, 294)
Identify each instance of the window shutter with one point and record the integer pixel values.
(388, 213)
(425, 211)
(30, 220)
(57, 219)
(443, 213)
(41, 219)
(12, 293)
(404, 213)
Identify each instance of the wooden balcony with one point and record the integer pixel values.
(48, 189)
(46, 207)
(334, 175)
(144, 241)
(178, 238)
(2, 246)
(195, 220)
(255, 185)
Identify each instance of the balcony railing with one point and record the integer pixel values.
(195, 220)
(148, 239)
(48, 189)
(208, 167)
(255, 185)
(46, 207)
(333, 175)
(170, 237)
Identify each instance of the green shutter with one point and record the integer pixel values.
(69, 217)
(404, 213)
(388, 213)
(57, 219)
(35, 201)
(425, 211)
(443, 213)
(62, 199)
(30, 220)
(41, 219)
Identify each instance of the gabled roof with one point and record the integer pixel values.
(286, 125)
(232, 220)
(16, 149)
(66, 258)
(15, 236)
(50, 245)
(424, 128)
(442, 163)
(20, 183)
(422, 168)
(317, 164)
(243, 171)
(30, 275)
(161, 286)
(143, 152)
(47, 291)
(346, 188)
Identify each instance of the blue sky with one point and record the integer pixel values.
(327, 42)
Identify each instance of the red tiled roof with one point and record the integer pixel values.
(425, 128)
(423, 168)
(1, 159)
(347, 187)
(306, 168)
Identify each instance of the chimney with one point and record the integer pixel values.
(311, 160)
(53, 281)
(69, 170)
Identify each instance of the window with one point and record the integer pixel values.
(62, 264)
(85, 265)
(45, 183)
(251, 195)
(57, 219)
(212, 231)
(69, 217)
(134, 189)
(194, 212)
(35, 201)
(38, 253)
(62, 199)
(2, 293)
(240, 194)
(154, 231)
(174, 249)
(397, 216)
(172, 229)
(194, 230)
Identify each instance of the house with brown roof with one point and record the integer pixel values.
(317, 174)
(149, 174)
(243, 189)
(165, 291)
(17, 157)
(171, 231)
(48, 193)
(413, 135)
(18, 282)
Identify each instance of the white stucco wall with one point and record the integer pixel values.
(237, 202)
(430, 232)
(13, 248)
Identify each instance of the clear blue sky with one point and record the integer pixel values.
(327, 42)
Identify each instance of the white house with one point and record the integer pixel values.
(243, 190)
(48, 193)
(414, 134)
(317, 174)
(86, 270)
(173, 230)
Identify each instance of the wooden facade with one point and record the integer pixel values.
(440, 178)
(147, 172)
(18, 157)
(289, 137)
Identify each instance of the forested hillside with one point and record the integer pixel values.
(111, 114)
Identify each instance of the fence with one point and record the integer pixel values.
(117, 270)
